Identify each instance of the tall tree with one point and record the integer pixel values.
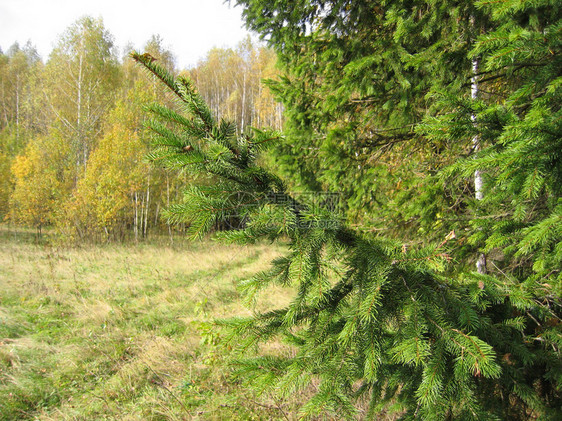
(371, 318)
(119, 195)
(117, 191)
(230, 81)
(82, 74)
(5, 184)
(358, 80)
(20, 115)
(41, 178)
(19, 70)
(518, 129)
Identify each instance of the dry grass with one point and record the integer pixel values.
(114, 331)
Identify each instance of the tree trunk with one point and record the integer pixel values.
(17, 109)
(79, 103)
(243, 110)
(168, 206)
(136, 219)
(145, 229)
(478, 193)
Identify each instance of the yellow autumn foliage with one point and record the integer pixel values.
(41, 180)
(116, 174)
(5, 184)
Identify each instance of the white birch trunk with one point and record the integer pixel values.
(243, 111)
(145, 229)
(17, 109)
(168, 206)
(156, 214)
(79, 96)
(3, 96)
(478, 184)
(136, 220)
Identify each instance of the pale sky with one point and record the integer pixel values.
(189, 28)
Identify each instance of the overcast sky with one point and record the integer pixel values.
(189, 28)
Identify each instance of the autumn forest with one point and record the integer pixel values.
(385, 242)
(72, 152)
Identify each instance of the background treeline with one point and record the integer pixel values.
(72, 152)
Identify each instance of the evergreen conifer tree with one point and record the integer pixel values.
(371, 320)
(359, 78)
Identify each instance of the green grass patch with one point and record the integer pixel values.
(124, 331)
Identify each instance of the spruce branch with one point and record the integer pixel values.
(366, 310)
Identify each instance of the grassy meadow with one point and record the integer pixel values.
(124, 331)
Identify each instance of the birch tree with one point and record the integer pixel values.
(41, 178)
(232, 82)
(82, 74)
